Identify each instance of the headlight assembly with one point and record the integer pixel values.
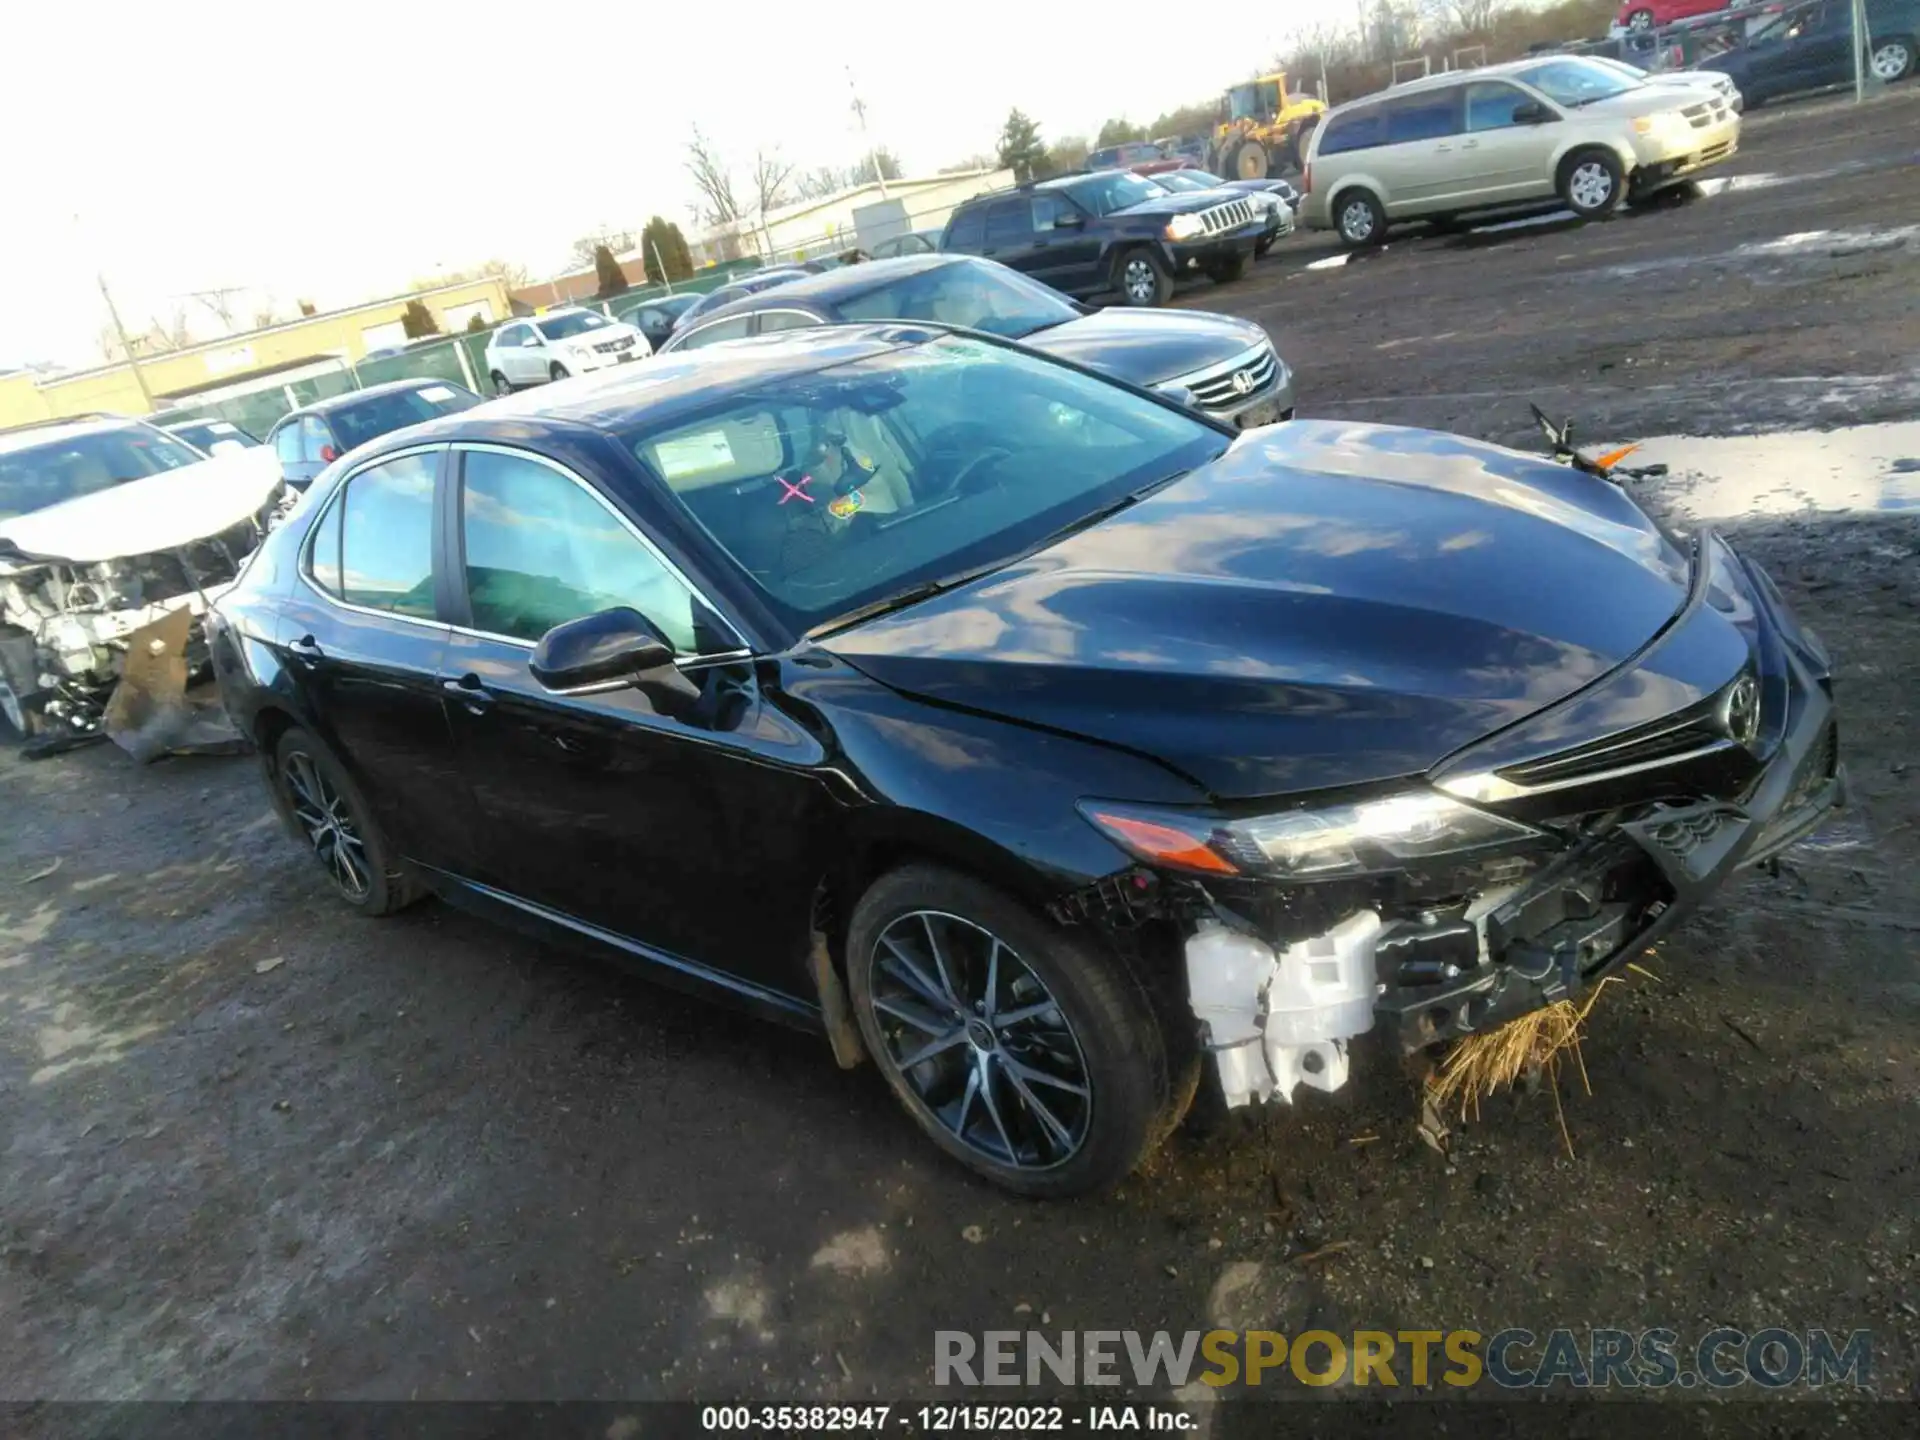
(1360, 838)
(1185, 227)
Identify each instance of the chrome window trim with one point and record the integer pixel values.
(303, 570)
(1485, 785)
(1222, 369)
(740, 648)
(677, 343)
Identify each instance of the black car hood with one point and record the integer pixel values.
(1324, 605)
(1148, 346)
(1177, 202)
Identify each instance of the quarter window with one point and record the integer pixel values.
(967, 230)
(771, 320)
(1356, 130)
(731, 328)
(542, 550)
(386, 537)
(286, 443)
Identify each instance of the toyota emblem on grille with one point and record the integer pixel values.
(1242, 381)
(1740, 713)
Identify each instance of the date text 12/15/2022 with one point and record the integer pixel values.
(943, 1419)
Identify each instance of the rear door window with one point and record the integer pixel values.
(386, 536)
(1009, 222)
(732, 328)
(1431, 115)
(1490, 106)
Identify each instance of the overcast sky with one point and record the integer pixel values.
(335, 150)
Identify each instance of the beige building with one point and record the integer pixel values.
(343, 334)
(860, 217)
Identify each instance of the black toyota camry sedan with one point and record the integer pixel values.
(1017, 729)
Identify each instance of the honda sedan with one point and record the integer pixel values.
(1018, 729)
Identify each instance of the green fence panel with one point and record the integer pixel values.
(322, 387)
(429, 362)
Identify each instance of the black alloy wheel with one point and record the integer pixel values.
(1027, 1054)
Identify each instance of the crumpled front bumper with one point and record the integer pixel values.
(1680, 853)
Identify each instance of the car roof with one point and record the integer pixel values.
(1506, 69)
(666, 387)
(44, 432)
(830, 287)
(348, 398)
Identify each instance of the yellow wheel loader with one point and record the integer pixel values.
(1263, 128)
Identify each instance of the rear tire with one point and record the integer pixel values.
(1140, 277)
(1591, 183)
(1103, 1095)
(501, 385)
(1359, 219)
(1640, 21)
(556, 371)
(329, 813)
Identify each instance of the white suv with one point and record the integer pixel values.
(1505, 135)
(562, 342)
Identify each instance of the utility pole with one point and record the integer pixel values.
(126, 345)
(873, 157)
(1860, 43)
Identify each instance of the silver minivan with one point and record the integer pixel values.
(1531, 130)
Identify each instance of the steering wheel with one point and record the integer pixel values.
(959, 483)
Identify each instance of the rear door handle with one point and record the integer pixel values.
(306, 650)
(1469, 144)
(469, 692)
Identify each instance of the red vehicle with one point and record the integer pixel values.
(1142, 157)
(1657, 14)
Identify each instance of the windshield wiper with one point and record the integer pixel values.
(900, 599)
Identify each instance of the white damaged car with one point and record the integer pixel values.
(114, 538)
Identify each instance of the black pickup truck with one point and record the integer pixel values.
(1110, 231)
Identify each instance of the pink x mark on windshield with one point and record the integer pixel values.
(797, 491)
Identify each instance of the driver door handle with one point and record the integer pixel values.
(470, 692)
(306, 649)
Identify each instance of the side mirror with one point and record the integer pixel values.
(1531, 112)
(1069, 220)
(610, 647)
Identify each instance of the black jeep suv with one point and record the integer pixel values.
(1088, 234)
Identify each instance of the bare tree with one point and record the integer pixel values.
(770, 177)
(713, 180)
(587, 246)
(820, 182)
(1475, 17)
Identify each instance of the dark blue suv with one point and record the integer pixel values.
(1110, 231)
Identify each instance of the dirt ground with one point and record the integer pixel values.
(254, 1147)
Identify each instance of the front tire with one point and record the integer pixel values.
(1141, 278)
(556, 371)
(1640, 21)
(1225, 272)
(501, 385)
(1359, 219)
(330, 814)
(1024, 1051)
(1591, 183)
(1892, 59)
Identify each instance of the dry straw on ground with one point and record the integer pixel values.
(1481, 1066)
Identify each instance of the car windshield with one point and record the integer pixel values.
(1104, 194)
(1185, 180)
(368, 419)
(577, 322)
(977, 294)
(850, 486)
(208, 433)
(1576, 82)
(36, 476)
